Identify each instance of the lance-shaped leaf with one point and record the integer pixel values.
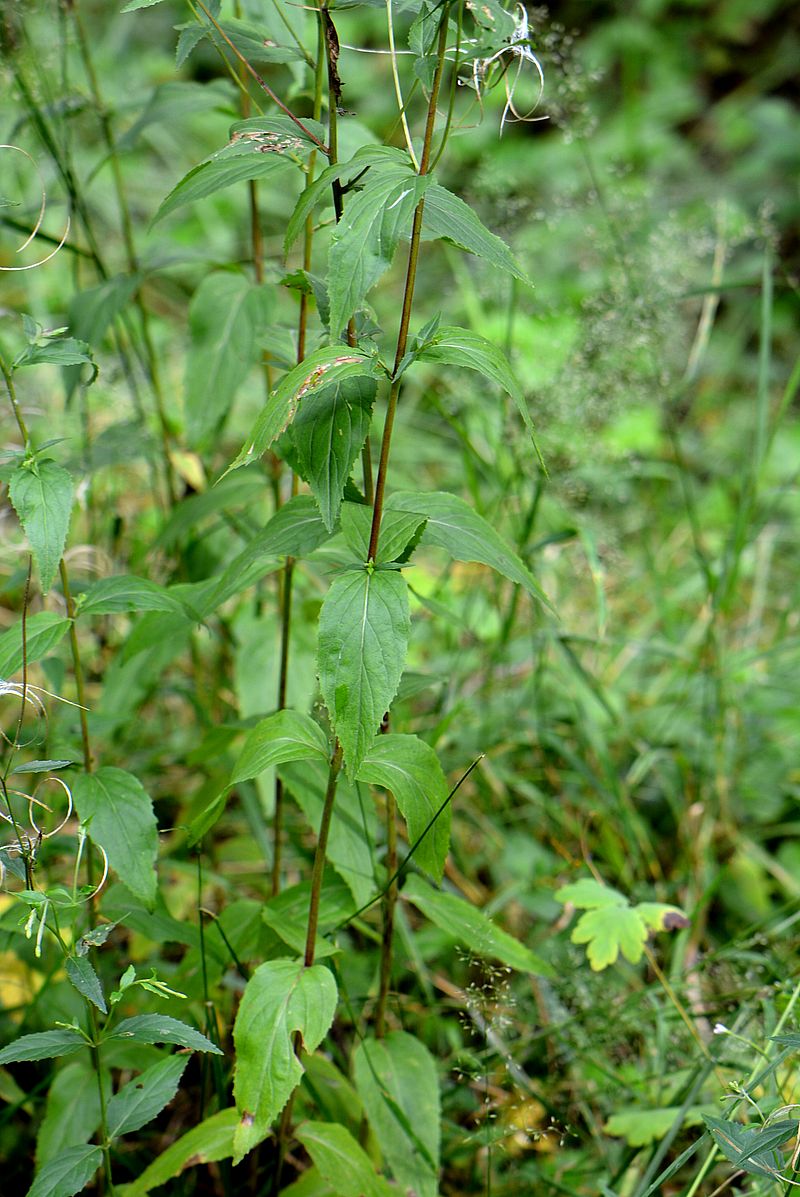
(366, 237)
(44, 1045)
(284, 736)
(126, 593)
(453, 346)
(281, 997)
(398, 530)
(209, 1141)
(226, 316)
(210, 177)
(449, 218)
(42, 632)
(160, 1028)
(396, 1080)
(68, 1173)
(753, 1149)
(121, 820)
(138, 1102)
(363, 636)
(410, 769)
(86, 981)
(454, 526)
(333, 363)
(72, 1114)
(328, 431)
(345, 1166)
(41, 493)
(469, 926)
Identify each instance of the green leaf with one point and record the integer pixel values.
(45, 1045)
(461, 347)
(211, 1140)
(285, 736)
(160, 1028)
(132, 5)
(287, 913)
(352, 831)
(333, 363)
(209, 177)
(609, 930)
(454, 526)
(86, 981)
(40, 767)
(752, 1148)
(363, 635)
(226, 315)
(281, 997)
(41, 494)
(295, 530)
(138, 1102)
(73, 1110)
(397, 1081)
(469, 926)
(43, 632)
(398, 530)
(640, 1127)
(121, 820)
(341, 1162)
(659, 917)
(320, 189)
(410, 769)
(448, 217)
(68, 1173)
(328, 431)
(126, 593)
(58, 351)
(366, 237)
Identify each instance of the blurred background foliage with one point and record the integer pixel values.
(653, 729)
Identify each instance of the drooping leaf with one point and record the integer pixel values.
(328, 432)
(138, 1102)
(68, 1173)
(160, 1028)
(398, 530)
(44, 1045)
(410, 769)
(285, 736)
(448, 217)
(351, 837)
(126, 593)
(753, 1149)
(469, 926)
(287, 913)
(363, 635)
(454, 526)
(211, 1140)
(121, 820)
(397, 1081)
(344, 1165)
(209, 177)
(56, 351)
(41, 494)
(72, 1114)
(42, 633)
(225, 317)
(86, 981)
(366, 237)
(333, 363)
(281, 997)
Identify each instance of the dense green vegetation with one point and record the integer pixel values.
(399, 805)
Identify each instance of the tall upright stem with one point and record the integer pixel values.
(408, 293)
(319, 856)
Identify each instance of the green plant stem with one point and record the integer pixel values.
(408, 292)
(97, 1062)
(8, 378)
